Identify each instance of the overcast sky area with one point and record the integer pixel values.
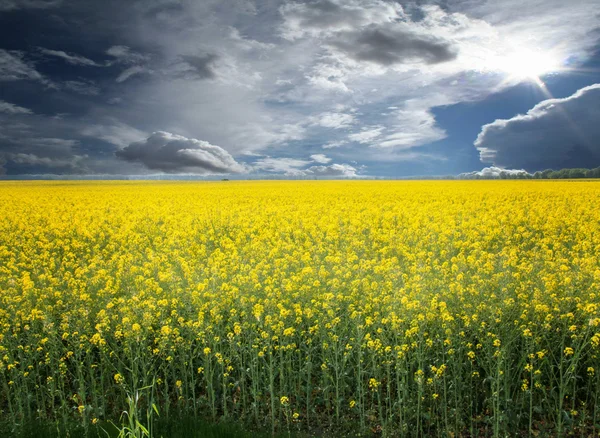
(311, 89)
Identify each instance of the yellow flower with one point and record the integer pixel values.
(282, 277)
(374, 384)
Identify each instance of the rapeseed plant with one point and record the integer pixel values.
(409, 308)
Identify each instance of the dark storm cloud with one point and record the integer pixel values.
(22, 147)
(388, 46)
(174, 154)
(69, 164)
(556, 133)
(200, 66)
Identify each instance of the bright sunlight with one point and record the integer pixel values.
(527, 64)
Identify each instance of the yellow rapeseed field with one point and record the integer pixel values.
(402, 308)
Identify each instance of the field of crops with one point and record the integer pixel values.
(328, 308)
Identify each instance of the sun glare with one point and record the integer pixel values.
(527, 64)
(522, 64)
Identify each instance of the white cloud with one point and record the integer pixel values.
(334, 120)
(125, 55)
(367, 135)
(493, 172)
(114, 132)
(70, 58)
(294, 167)
(288, 166)
(14, 68)
(131, 71)
(327, 16)
(413, 127)
(82, 87)
(334, 144)
(119, 51)
(335, 170)
(320, 158)
(10, 108)
(137, 62)
(556, 133)
(333, 83)
(332, 171)
(172, 153)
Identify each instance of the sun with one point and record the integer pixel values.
(529, 64)
(525, 64)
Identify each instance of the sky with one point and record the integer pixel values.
(298, 89)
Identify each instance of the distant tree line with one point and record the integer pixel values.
(567, 173)
(544, 174)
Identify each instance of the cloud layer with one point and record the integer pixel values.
(556, 133)
(369, 82)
